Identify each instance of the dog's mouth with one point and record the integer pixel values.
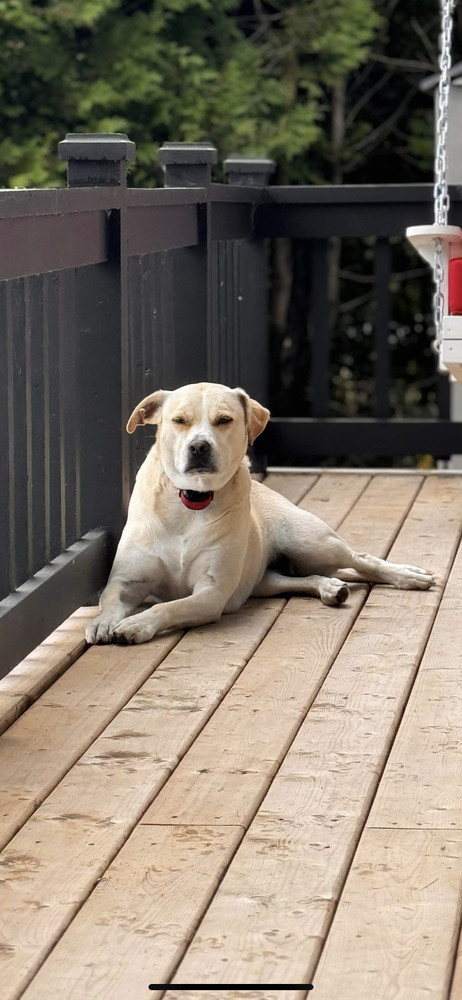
(195, 500)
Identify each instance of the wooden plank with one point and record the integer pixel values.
(83, 823)
(273, 909)
(47, 662)
(46, 741)
(236, 994)
(395, 929)
(456, 986)
(421, 783)
(106, 793)
(332, 497)
(36, 607)
(228, 769)
(91, 914)
(11, 707)
(166, 900)
(292, 487)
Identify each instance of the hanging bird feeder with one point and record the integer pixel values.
(441, 245)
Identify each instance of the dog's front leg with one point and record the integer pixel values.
(120, 597)
(205, 605)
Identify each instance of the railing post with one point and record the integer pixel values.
(249, 171)
(251, 287)
(103, 349)
(251, 337)
(189, 165)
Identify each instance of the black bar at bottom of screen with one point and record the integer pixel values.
(265, 986)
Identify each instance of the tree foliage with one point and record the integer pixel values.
(252, 77)
(328, 88)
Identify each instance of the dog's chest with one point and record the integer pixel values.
(174, 561)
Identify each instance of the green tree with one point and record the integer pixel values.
(251, 77)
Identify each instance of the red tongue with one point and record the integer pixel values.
(194, 500)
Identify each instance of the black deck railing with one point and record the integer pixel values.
(107, 292)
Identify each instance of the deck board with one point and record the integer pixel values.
(307, 827)
(201, 828)
(396, 926)
(271, 681)
(101, 799)
(30, 678)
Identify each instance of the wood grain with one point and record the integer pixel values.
(292, 487)
(395, 928)
(240, 743)
(74, 835)
(133, 928)
(43, 666)
(11, 707)
(67, 846)
(422, 781)
(97, 801)
(237, 994)
(332, 497)
(44, 743)
(273, 909)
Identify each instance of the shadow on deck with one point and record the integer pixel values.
(273, 799)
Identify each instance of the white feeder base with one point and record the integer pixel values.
(451, 347)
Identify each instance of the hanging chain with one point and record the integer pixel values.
(440, 193)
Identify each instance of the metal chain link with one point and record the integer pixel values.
(440, 192)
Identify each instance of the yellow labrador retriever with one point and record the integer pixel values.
(201, 536)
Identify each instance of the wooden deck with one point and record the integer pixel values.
(274, 799)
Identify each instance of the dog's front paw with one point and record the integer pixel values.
(134, 629)
(101, 629)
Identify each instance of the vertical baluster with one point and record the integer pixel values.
(136, 393)
(5, 450)
(320, 330)
(383, 262)
(17, 382)
(68, 405)
(53, 428)
(36, 424)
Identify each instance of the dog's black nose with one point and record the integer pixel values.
(199, 448)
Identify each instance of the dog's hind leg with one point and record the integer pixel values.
(330, 590)
(361, 566)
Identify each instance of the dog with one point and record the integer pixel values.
(201, 536)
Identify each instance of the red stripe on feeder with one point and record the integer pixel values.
(455, 286)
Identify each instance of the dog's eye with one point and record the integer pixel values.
(178, 420)
(224, 420)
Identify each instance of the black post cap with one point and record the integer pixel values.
(187, 164)
(96, 159)
(251, 171)
(96, 146)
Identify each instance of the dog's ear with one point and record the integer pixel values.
(148, 411)
(256, 415)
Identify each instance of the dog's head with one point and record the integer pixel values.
(203, 432)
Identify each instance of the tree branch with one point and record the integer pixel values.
(366, 97)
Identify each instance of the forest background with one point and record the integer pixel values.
(328, 88)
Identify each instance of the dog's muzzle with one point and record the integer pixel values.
(200, 457)
(195, 500)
